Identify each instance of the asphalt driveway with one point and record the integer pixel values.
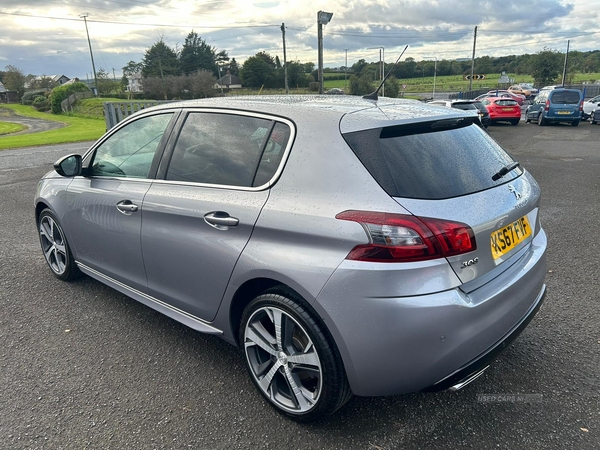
(33, 125)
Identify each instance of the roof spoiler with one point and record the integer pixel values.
(373, 95)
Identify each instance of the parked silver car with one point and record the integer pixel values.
(347, 246)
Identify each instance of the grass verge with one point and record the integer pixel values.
(77, 129)
(9, 127)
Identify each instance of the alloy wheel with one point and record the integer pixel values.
(283, 360)
(53, 244)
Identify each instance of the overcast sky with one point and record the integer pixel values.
(47, 37)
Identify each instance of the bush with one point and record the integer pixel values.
(41, 103)
(30, 96)
(62, 92)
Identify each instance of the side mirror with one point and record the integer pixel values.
(68, 166)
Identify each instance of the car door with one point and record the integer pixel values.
(535, 108)
(104, 206)
(199, 217)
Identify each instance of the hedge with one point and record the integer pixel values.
(62, 92)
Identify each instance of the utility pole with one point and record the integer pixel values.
(114, 78)
(285, 73)
(473, 60)
(564, 77)
(346, 70)
(323, 18)
(91, 54)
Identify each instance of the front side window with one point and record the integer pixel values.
(129, 151)
(227, 149)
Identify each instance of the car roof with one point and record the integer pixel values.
(353, 113)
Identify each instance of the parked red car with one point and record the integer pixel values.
(504, 94)
(503, 109)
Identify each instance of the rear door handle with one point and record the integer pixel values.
(127, 207)
(220, 220)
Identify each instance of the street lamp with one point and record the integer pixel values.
(381, 66)
(84, 16)
(434, 72)
(323, 18)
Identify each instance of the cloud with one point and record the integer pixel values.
(49, 37)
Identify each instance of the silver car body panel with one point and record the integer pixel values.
(393, 344)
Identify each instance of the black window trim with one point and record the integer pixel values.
(170, 147)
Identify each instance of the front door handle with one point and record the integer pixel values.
(127, 207)
(220, 220)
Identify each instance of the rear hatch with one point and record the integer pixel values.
(564, 103)
(455, 171)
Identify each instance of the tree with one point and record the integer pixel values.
(14, 80)
(309, 67)
(196, 54)
(546, 66)
(105, 83)
(160, 61)
(130, 69)
(296, 74)
(259, 70)
(361, 85)
(233, 67)
(392, 87)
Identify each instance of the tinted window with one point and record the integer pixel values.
(216, 148)
(130, 150)
(566, 97)
(433, 164)
(273, 152)
(506, 103)
(464, 106)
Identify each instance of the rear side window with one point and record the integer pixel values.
(506, 103)
(227, 149)
(565, 97)
(431, 165)
(464, 106)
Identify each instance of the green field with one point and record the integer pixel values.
(76, 129)
(454, 83)
(9, 127)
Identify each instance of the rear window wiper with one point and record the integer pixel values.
(507, 168)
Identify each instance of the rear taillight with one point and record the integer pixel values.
(581, 105)
(403, 238)
(547, 107)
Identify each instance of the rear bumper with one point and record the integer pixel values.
(393, 345)
(482, 361)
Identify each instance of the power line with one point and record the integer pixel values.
(229, 26)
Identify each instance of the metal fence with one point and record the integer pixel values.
(114, 112)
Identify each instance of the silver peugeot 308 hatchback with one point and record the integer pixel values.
(345, 245)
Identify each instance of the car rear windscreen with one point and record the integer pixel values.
(463, 106)
(431, 164)
(566, 97)
(506, 103)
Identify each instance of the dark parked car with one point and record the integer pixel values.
(595, 116)
(345, 245)
(467, 105)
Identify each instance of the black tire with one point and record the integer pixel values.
(515, 122)
(304, 391)
(541, 121)
(55, 247)
(575, 123)
(593, 119)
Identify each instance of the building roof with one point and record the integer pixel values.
(228, 80)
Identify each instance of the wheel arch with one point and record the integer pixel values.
(251, 289)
